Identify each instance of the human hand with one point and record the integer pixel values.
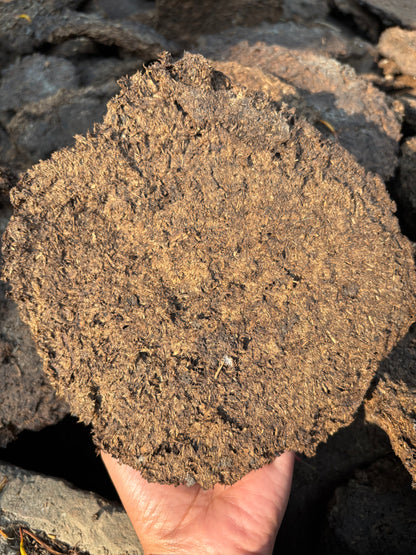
(229, 520)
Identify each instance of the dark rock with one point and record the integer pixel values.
(34, 77)
(304, 10)
(268, 274)
(366, 21)
(98, 71)
(47, 22)
(21, 23)
(131, 36)
(185, 20)
(75, 48)
(318, 37)
(43, 127)
(315, 480)
(121, 9)
(373, 513)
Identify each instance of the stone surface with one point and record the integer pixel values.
(365, 20)
(318, 37)
(392, 403)
(21, 24)
(40, 128)
(304, 10)
(400, 11)
(51, 22)
(358, 113)
(128, 35)
(408, 172)
(315, 480)
(185, 20)
(218, 284)
(50, 506)
(98, 71)
(34, 77)
(400, 46)
(373, 513)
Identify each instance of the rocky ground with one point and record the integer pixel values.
(349, 68)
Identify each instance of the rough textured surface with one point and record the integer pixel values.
(27, 400)
(400, 11)
(304, 10)
(40, 128)
(365, 20)
(34, 77)
(358, 112)
(368, 515)
(51, 22)
(392, 403)
(80, 519)
(400, 46)
(19, 35)
(318, 37)
(184, 20)
(316, 479)
(208, 281)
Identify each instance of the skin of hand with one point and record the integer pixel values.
(230, 520)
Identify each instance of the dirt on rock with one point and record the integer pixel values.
(208, 280)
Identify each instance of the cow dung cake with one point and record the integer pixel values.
(208, 281)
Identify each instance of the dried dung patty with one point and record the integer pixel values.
(208, 281)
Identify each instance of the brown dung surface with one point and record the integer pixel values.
(208, 281)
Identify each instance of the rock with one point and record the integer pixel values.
(366, 21)
(49, 22)
(197, 241)
(120, 10)
(21, 23)
(409, 108)
(392, 403)
(8, 179)
(51, 507)
(75, 48)
(304, 10)
(34, 77)
(130, 36)
(400, 46)
(104, 70)
(394, 11)
(373, 513)
(185, 20)
(335, 92)
(5, 147)
(315, 480)
(45, 126)
(408, 172)
(318, 37)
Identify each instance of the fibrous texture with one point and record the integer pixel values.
(208, 281)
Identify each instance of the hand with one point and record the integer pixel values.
(229, 520)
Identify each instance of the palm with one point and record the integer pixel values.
(239, 519)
